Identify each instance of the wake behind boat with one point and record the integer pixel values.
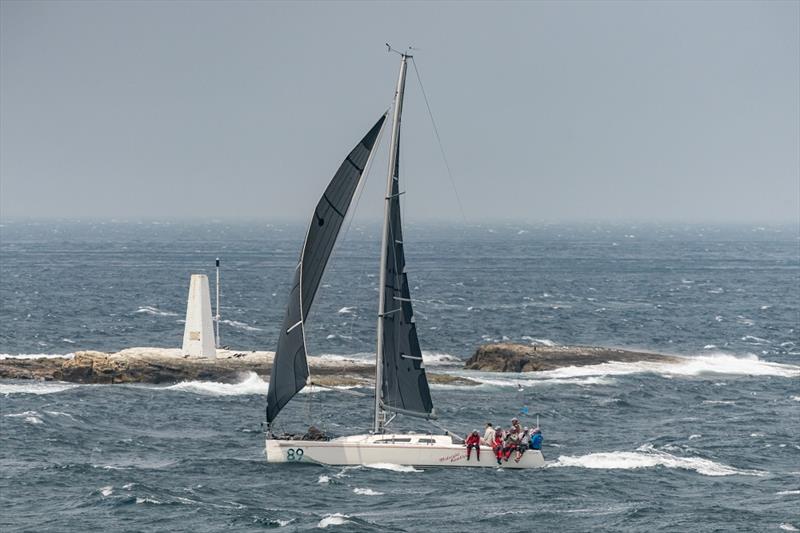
(401, 385)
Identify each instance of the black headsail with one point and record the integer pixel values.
(290, 366)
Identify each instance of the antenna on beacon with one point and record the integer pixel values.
(216, 318)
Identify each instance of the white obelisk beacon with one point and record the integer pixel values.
(198, 335)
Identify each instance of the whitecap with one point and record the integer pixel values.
(29, 417)
(252, 384)
(59, 413)
(540, 342)
(346, 311)
(786, 526)
(796, 398)
(367, 492)
(324, 479)
(36, 387)
(37, 356)
(440, 359)
(393, 467)
(240, 325)
(148, 500)
(107, 491)
(719, 402)
(788, 492)
(695, 436)
(336, 519)
(755, 340)
(151, 310)
(714, 363)
(648, 457)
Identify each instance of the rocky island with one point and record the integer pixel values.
(167, 366)
(509, 357)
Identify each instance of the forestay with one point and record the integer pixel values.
(290, 366)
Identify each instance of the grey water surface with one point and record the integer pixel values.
(709, 444)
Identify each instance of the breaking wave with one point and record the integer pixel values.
(37, 356)
(155, 311)
(336, 519)
(367, 492)
(36, 387)
(393, 467)
(30, 417)
(240, 325)
(718, 363)
(648, 457)
(252, 384)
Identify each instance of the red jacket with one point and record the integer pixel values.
(473, 439)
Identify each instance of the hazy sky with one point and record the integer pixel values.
(548, 111)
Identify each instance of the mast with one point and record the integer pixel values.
(392, 174)
(216, 318)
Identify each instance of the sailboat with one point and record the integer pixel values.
(401, 385)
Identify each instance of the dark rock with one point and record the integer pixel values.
(509, 357)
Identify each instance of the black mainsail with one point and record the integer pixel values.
(290, 366)
(403, 384)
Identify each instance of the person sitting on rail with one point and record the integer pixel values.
(523, 445)
(511, 443)
(536, 439)
(473, 441)
(497, 445)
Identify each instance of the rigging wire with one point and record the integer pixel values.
(439, 140)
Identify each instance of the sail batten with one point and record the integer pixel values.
(290, 371)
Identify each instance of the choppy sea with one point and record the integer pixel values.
(708, 444)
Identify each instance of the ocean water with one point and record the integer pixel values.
(708, 444)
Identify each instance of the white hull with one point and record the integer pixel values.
(400, 449)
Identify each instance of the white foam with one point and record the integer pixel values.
(35, 387)
(240, 325)
(796, 398)
(30, 417)
(148, 500)
(715, 363)
(440, 359)
(786, 526)
(107, 491)
(37, 356)
(324, 479)
(367, 492)
(540, 342)
(252, 384)
(150, 310)
(346, 311)
(520, 381)
(648, 457)
(393, 467)
(788, 492)
(695, 436)
(336, 519)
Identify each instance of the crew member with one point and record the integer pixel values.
(474, 441)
